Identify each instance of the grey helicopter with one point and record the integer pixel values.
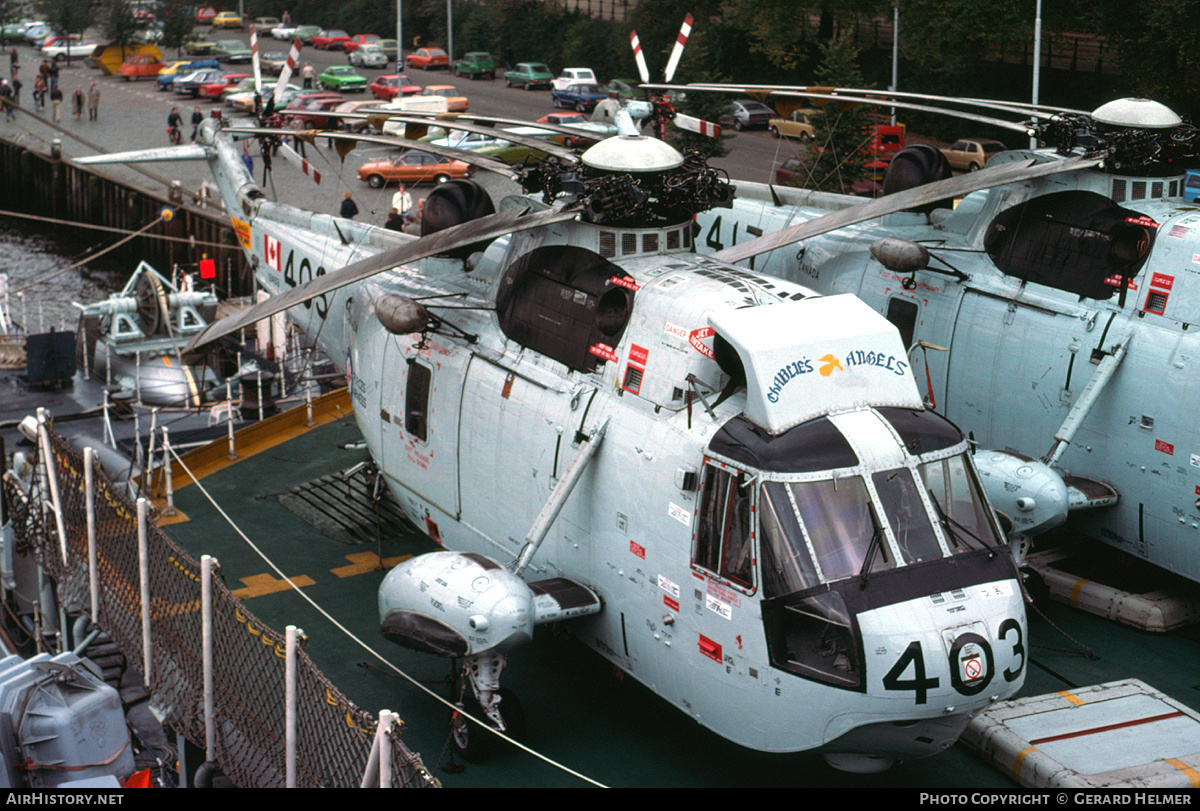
(1052, 317)
(725, 484)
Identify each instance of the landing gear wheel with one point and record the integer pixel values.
(473, 743)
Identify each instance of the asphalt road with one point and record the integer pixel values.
(133, 115)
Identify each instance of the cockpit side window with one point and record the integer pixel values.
(906, 513)
(958, 501)
(723, 536)
(841, 526)
(416, 401)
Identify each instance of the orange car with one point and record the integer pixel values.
(412, 167)
(140, 65)
(454, 102)
(428, 59)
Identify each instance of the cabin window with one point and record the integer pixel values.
(841, 526)
(723, 536)
(416, 401)
(906, 513)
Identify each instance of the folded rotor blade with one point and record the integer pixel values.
(485, 228)
(301, 163)
(638, 56)
(285, 75)
(940, 190)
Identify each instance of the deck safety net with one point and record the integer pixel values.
(334, 736)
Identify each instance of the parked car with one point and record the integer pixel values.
(343, 78)
(231, 50)
(272, 63)
(59, 48)
(749, 114)
(412, 167)
(174, 70)
(198, 44)
(214, 90)
(397, 84)
(455, 102)
(582, 98)
(624, 88)
(389, 48)
(972, 154)
(139, 66)
(205, 15)
(331, 39)
(190, 84)
(227, 19)
(792, 172)
(264, 25)
(305, 33)
(529, 75)
(571, 76)
(310, 113)
(1191, 186)
(598, 130)
(797, 125)
(368, 55)
(360, 106)
(427, 59)
(475, 64)
(351, 45)
(285, 32)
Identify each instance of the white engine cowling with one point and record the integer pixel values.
(455, 604)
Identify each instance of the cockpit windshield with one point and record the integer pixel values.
(827, 530)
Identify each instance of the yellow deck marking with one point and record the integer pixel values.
(1076, 700)
(1193, 775)
(363, 562)
(260, 584)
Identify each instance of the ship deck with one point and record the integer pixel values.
(585, 722)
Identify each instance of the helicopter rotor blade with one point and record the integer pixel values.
(677, 51)
(300, 162)
(699, 125)
(638, 56)
(257, 68)
(285, 75)
(480, 230)
(1014, 172)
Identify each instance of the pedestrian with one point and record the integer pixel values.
(307, 73)
(402, 202)
(175, 126)
(39, 93)
(12, 59)
(52, 75)
(77, 102)
(197, 120)
(394, 221)
(16, 85)
(56, 102)
(6, 99)
(349, 208)
(415, 218)
(93, 102)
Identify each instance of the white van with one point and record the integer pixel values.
(411, 104)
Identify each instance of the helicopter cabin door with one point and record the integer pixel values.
(419, 433)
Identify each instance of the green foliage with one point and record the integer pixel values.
(177, 23)
(117, 23)
(66, 16)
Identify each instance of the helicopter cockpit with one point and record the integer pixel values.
(841, 531)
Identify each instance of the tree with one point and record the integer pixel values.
(835, 160)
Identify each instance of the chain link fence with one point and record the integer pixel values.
(334, 736)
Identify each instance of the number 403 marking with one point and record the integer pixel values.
(909, 673)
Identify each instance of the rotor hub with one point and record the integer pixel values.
(632, 153)
(1136, 113)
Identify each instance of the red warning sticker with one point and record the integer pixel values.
(637, 549)
(695, 340)
(1165, 447)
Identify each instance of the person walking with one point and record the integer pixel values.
(402, 202)
(6, 100)
(307, 73)
(93, 102)
(52, 75)
(39, 93)
(77, 102)
(56, 102)
(197, 120)
(349, 207)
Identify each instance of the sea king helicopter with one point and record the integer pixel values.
(727, 484)
(1052, 313)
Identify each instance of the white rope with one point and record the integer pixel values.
(363, 644)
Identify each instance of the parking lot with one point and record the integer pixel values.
(133, 115)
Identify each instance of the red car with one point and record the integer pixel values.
(351, 45)
(330, 40)
(388, 87)
(428, 59)
(204, 16)
(139, 65)
(213, 91)
(308, 113)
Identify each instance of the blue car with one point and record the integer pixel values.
(165, 81)
(582, 98)
(1191, 186)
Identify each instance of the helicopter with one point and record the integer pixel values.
(726, 484)
(1037, 314)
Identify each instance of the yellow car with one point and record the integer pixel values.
(455, 102)
(227, 19)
